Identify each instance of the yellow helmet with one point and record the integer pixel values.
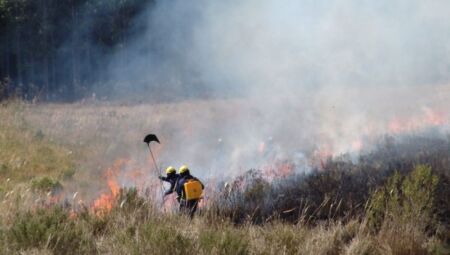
(171, 170)
(183, 169)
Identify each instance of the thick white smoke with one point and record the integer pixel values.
(304, 77)
(286, 44)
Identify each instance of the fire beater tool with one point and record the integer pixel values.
(148, 139)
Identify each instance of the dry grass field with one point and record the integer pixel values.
(55, 160)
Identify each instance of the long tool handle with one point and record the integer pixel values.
(154, 161)
(157, 168)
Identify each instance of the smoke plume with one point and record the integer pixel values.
(299, 78)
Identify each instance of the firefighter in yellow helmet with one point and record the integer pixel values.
(171, 177)
(189, 190)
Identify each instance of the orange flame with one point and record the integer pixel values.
(106, 201)
(357, 145)
(278, 169)
(262, 147)
(434, 118)
(429, 118)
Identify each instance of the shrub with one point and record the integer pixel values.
(387, 196)
(50, 228)
(130, 206)
(418, 194)
(341, 189)
(46, 184)
(407, 199)
(3, 168)
(129, 200)
(68, 173)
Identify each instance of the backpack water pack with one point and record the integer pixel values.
(193, 190)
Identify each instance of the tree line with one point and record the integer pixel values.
(56, 49)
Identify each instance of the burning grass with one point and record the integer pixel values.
(391, 200)
(404, 212)
(137, 226)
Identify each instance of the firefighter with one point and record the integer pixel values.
(171, 177)
(189, 190)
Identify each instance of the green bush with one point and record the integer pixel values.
(68, 173)
(418, 194)
(129, 200)
(404, 199)
(50, 228)
(3, 168)
(46, 184)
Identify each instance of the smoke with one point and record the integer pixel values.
(298, 77)
(255, 45)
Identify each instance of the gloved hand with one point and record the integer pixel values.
(160, 177)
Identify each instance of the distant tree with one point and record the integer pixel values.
(57, 49)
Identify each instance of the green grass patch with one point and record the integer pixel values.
(26, 153)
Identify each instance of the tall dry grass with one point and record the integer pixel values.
(247, 221)
(136, 225)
